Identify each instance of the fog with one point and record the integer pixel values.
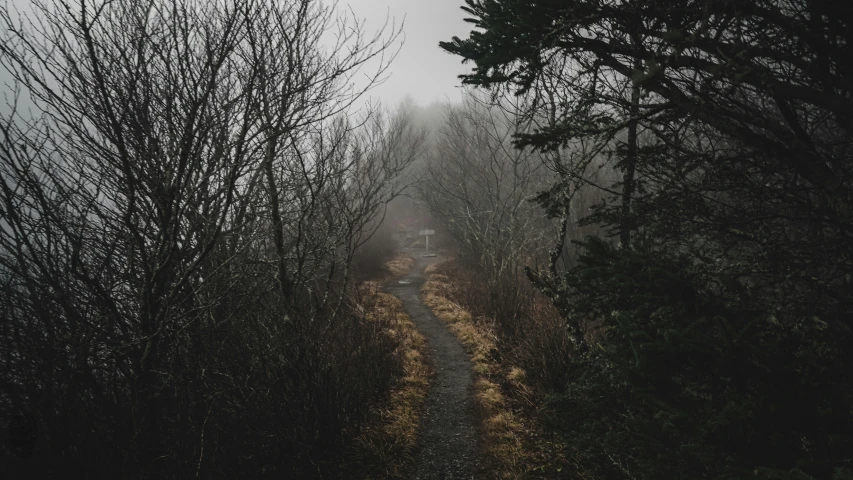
(421, 70)
(280, 239)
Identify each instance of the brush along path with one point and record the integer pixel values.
(386, 447)
(513, 445)
(449, 443)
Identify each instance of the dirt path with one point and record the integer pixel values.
(449, 437)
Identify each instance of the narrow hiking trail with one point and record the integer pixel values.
(449, 437)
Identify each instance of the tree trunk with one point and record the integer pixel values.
(630, 164)
(277, 224)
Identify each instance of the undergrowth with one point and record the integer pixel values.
(385, 448)
(515, 446)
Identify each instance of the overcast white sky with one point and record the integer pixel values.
(421, 70)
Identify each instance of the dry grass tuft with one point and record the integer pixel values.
(515, 375)
(433, 267)
(387, 447)
(400, 265)
(489, 394)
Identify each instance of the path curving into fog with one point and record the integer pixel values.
(448, 437)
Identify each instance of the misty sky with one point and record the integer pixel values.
(421, 70)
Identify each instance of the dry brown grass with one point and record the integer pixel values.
(516, 445)
(386, 449)
(400, 265)
(506, 432)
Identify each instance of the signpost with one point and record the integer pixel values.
(426, 233)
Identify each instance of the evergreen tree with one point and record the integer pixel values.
(719, 344)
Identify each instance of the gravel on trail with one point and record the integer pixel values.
(448, 438)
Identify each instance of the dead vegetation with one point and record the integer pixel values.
(514, 445)
(399, 265)
(179, 228)
(385, 449)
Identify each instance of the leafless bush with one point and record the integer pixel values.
(179, 207)
(530, 332)
(480, 187)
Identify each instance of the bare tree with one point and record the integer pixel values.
(168, 140)
(300, 90)
(118, 191)
(482, 186)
